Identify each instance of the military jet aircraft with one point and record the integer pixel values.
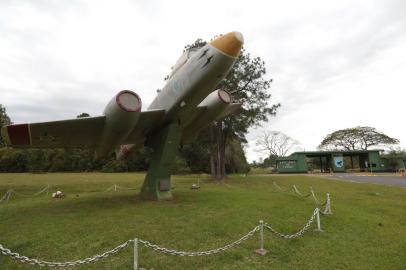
(186, 104)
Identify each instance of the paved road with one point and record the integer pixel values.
(378, 179)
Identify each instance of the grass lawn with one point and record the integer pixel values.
(366, 231)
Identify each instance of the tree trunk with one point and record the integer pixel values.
(218, 148)
(223, 153)
(212, 154)
(217, 155)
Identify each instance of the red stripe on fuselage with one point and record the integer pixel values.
(19, 134)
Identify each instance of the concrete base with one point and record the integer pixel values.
(157, 183)
(261, 251)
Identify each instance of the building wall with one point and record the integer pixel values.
(301, 164)
(375, 161)
(287, 166)
(338, 162)
(296, 163)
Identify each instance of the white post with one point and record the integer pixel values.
(115, 187)
(47, 190)
(261, 250)
(136, 254)
(318, 220)
(327, 211)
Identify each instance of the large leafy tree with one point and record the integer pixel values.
(4, 121)
(356, 138)
(247, 84)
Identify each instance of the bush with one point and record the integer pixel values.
(113, 166)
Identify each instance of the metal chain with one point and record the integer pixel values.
(314, 196)
(25, 259)
(125, 188)
(26, 195)
(277, 186)
(295, 235)
(199, 253)
(311, 193)
(116, 187)
(6, 196)
(299, 193)
(110, 188)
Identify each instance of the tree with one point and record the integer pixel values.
(4, 121)
(83, 115)
(235, 161)
(247, 85)
(275, 143)
(356, 138)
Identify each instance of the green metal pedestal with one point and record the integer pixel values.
(157, 183)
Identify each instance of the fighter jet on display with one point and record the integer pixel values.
(186, 104)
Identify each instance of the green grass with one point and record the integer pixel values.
(366, 231)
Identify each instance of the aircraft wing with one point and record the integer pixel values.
(74, 133)
(79, 132)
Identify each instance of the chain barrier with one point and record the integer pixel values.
(46, 189)
(314, 196)
(33, 261)
(125, 188)
(10, 192)
(295, 235)
(117, 187)
(31, 195)
(6, 196)
(299, 193)
(326, 204)
(109, 189)
(25, 259)
(278, 187)
(199, 253)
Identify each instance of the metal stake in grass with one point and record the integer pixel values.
(261, 250)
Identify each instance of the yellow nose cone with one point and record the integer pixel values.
(230, 43)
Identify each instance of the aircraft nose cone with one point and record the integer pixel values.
(229, 43)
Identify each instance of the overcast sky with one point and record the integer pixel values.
(335, 64)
